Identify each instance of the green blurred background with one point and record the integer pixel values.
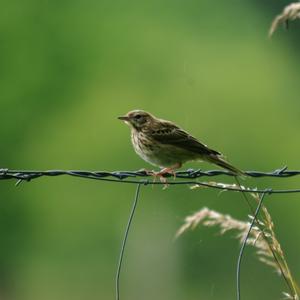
(68, 69)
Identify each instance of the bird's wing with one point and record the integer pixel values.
(170, 134)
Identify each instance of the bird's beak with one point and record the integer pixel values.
(123, 118)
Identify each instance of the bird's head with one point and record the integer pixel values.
(137, 119)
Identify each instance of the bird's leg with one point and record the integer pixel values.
(149, 173)
(168, 170)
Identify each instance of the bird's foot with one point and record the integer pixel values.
(162, 174)
(170, 170)
(146, 172)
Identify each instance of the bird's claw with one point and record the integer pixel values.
(161, 175)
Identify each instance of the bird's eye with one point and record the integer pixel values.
(138, 117)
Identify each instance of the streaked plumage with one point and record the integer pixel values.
(164, 144)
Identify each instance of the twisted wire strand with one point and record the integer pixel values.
(188, 174)
(190, 177)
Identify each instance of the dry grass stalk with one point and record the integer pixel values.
(290, 13)
(268, 251)
(279, 259)
(223, 186)
(210, 218)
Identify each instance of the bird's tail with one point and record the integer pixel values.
(218, 160)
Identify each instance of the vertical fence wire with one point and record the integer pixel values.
(131, 215)
(242, 250)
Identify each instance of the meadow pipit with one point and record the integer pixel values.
(164, 144)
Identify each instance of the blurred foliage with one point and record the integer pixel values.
(68, 69)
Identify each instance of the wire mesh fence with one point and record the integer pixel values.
(187, 177)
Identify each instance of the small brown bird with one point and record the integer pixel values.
(164, 144)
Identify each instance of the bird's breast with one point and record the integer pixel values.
(145, 147)
(141, 144)
(154, 152)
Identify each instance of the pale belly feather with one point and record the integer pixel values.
(162, 155)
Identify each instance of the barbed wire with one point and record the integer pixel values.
(140, 177)
(187, 174)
